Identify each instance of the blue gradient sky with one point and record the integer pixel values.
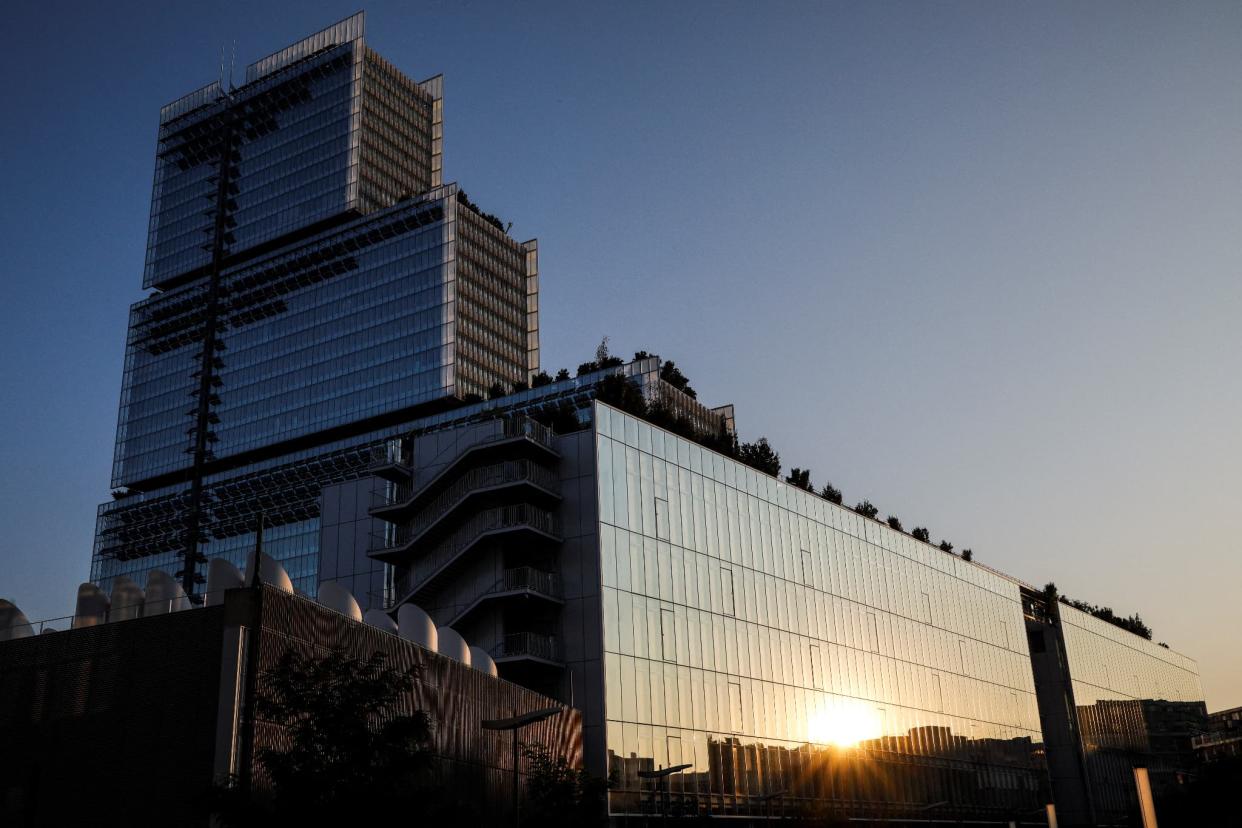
(976, 262)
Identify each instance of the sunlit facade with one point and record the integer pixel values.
(789, 649)
(1112, 702)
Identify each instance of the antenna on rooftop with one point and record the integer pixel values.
(232, 61)
(221, 82)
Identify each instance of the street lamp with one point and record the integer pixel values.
(767, 802)
(660, 775)
(514, 724)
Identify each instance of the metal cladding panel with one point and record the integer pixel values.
(474, 764)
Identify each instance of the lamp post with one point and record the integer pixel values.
(514, 724)
(660, 775)
(767, 803)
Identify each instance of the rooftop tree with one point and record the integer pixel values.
(670, 373)
(866, 509)
(800, 478)
(760, 455)
(831, 493)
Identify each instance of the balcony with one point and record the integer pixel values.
(391, 461)
(502, 436)
(442, 556)
(392, 502)
(523, 583)
(529, 647)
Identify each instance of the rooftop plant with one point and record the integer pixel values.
(800, 478)
(866, 509)
(1133, 623)
(465, 201)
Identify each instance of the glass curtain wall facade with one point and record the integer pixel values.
(316, 290)
(1138, 705)
(781, 644)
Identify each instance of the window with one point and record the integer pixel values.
(927, 613)
(735, 706)
(872, 631)
(668, 635)
(807, 576)
(661, 519)
(726, 590)
(817, 669)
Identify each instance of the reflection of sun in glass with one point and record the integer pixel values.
(844, 724)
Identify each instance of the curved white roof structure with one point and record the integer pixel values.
(454, 646)
(413, 624)
(164, 594)
(481, 660)
(221, 576)
(127, 599)
(380, 619)
(336, 597)
(272, 573)
(13, 622)
(92, 607)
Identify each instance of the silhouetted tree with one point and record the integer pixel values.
(558, 794)
(866, 509)
(641, 355)
(1133, 623)
(347, 753)
(945, 546)
(620, 392)
(800, 478)
(894, 522)
(831, 493)
(603, 359)
(670, 373)
(561, 417)
(469, 399)
(496, 390)
(541, 379)
(520, 386)
(921, 533)
(562, 374)
(967, 555)
(760, 455)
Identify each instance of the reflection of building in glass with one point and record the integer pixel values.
(799, 657)
(316, 288)
(779, 642)
(1110, 702)
(702, 612)
(1223, 736)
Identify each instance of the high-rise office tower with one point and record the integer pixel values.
(315, 286)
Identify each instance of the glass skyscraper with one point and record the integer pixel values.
(316, 287)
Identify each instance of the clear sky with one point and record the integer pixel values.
(976, 262)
